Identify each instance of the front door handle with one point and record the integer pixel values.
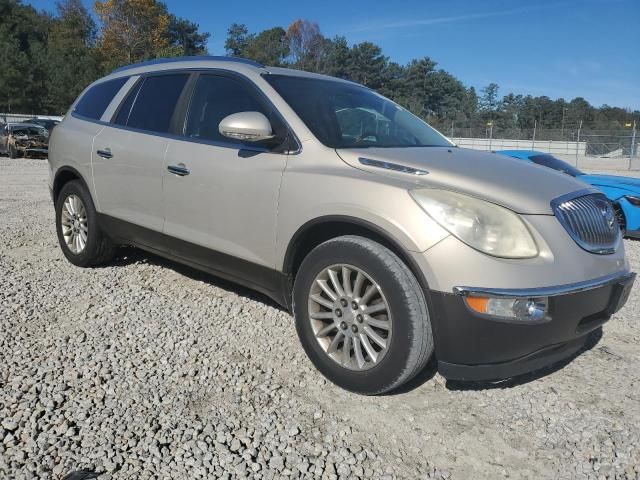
(105, 153)
(180, 169)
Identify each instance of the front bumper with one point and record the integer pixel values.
(476, 348)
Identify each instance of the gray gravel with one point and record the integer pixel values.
(145, 369)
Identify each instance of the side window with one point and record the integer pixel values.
(125, 107)
(214, 98)
(96, 100)
(155, 103)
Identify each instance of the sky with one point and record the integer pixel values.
(558, 48)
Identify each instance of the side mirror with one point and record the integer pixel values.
(247, 126)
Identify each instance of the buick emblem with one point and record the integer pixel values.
(608, 214)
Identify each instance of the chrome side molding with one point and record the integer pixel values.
(545, 291)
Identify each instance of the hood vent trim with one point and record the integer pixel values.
(391, 166)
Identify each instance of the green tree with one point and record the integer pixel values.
(23, 57)
(336, 59)
(71, 58)
(366, 65)
(185, 37)
(269, 47)
(237, 40)
(489, 103)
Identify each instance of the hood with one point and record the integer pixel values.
(520, 186)
(613, 181)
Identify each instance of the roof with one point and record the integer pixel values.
(292, 72)
(194, 58)
(203, 61)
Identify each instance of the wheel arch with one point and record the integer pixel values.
(63, 176)
(324, 228)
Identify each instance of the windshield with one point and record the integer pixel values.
(556, 164)
(28, 131)
(344, 115)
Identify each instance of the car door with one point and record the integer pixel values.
(226, 197)
(128, 154)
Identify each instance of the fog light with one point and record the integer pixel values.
(515, 309)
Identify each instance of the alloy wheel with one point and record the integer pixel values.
(74, 224)
(350, 317)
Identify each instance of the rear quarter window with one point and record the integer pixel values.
(96, 100)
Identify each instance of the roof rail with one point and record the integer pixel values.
(194, 58)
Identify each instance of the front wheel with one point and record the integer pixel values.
(622, 220)
(13, 152)
(361, 315)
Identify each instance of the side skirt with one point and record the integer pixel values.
(265, 280)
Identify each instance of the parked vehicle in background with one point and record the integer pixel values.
(47, 123)
(24, 140)
(624, 192)
(389, 244)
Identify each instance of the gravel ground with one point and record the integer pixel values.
(145, 369)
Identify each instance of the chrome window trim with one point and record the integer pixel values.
(172, 136)
(545, 291)
(230, 145)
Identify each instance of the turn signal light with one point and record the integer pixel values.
(514, 309)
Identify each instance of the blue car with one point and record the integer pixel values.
(624, 192)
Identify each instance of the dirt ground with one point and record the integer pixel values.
(146, 369)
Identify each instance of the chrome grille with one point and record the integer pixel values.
(590, 220)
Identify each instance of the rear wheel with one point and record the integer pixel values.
(79, 235)
(361, 315)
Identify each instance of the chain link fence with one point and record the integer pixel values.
(23, 117)
(573, 140)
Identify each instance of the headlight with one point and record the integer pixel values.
(633, 200)
(485, 226)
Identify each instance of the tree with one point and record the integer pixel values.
(269, 47)
(184, 36)
(71, 59)
(237, 39)
(414, 85)
(305, 44)
(23, 73)
(366, 65)
(336, 59)
(489, 102)
(132, 30)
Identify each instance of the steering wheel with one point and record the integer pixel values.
(360, 138)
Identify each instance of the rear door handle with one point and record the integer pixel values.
(105, 153)
(180, 169)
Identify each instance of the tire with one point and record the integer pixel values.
(622, 219)
(97, 249)
(13, 153)
(407, 334)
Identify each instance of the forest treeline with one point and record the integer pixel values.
(48, 58)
